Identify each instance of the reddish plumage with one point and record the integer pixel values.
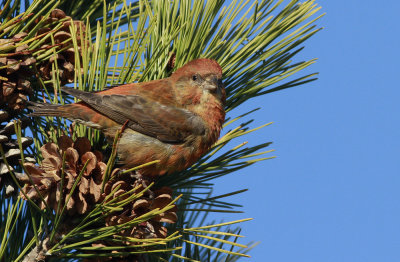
(175, 120)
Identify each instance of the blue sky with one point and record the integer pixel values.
(333, 192)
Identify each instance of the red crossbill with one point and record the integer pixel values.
(174, 120)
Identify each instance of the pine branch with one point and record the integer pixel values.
(255, 42)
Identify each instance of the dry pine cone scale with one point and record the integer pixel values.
(48, 176)
(15, 73)
(54, 187)
(11, 149)
(65, 58)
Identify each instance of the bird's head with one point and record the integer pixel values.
(202, 73)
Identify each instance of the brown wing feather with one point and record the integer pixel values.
(166, 123)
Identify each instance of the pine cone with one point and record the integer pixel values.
(48, 177)
(62, 38)
(15, 73)
(150, 200)
(11, 150)
(171, 61)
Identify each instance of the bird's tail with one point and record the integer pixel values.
(45, 109)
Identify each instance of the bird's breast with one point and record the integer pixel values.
(135, 149)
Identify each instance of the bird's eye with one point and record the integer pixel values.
(194, 77)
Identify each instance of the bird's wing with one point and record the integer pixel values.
(166, 123)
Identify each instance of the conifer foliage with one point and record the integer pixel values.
(62, 195)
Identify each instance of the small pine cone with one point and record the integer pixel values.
(171, 61)
(15, 73)
(11, 150)
(48, 177)
(65, 59)
(150, 200)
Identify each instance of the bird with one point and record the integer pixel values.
(174, 120)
